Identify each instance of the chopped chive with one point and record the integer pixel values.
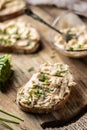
(38, 93)
(71, 48)
(47, 81)
(7, 120)
(18, 38)
(31, 69)
(7, 126)
(23, 129)
(58, 73)
(29, 43)
(29, 101)
(79, 46)
(43, 77)
(53, 56)
(11, 115)
(46, 89)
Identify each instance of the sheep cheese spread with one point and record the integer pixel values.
(47, 87)
(9, 3)
(3, 3)
(18, 34)
(78, 40)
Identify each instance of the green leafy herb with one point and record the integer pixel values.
(79, 46)
(4, 31)
(18, 38)
(37, 87)
(37, 90)
(38, 93)
(46, 89)
(44, 77)
(11, 26)
(1, 40)
(28, 34)
(23, 129)
(10, 121)
(29, 100)
(5, 69)
(0, 31)
(5, 41)
(29, 43)
(11, 115)
(47, 81)
(53, 56)
(31, 69)
(58, 73)
(71, 48)
(7, 126)
(8, 42)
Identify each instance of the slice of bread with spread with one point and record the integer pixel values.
(47, 90)
(18, 37)
(11, 8)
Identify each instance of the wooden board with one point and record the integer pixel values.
(21, 63)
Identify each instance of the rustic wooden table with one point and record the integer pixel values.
(21, 63)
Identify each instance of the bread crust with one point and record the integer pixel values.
(16, 49)
(40, 110)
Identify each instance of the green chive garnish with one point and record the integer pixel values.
(7, 126)
(31, 69)
(7, 120)
(71, 48)
(11, 115)
(58, 73)
(43, 77)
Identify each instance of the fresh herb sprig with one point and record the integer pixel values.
(59, 73)
(6, 125)
(38, 93)
(12, 115)
(43, 77)
(39, 90)
(5, 70)
(31, 69)
(3, 120)
(7, 120)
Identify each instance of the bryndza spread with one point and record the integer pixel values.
(18, 34)
(47, 88)
(78, 39)
(3, 3)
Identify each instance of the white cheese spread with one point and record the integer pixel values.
(48, 86)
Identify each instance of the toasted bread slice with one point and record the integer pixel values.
(11, 8)
(18, 37)
(47, 90)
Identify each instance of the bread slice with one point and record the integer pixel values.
(18, 37)
(47, 90)
(11, 8)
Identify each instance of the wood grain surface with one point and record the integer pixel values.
(21, 63)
